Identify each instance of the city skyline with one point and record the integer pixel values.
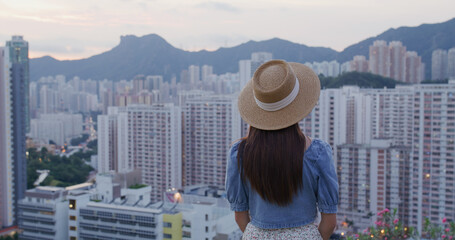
(67, 30)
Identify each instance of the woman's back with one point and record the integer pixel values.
(320, 190)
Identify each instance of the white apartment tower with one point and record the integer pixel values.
(244, 72)
(392, 114)
(372, 177)
(211, 125)
(433, 154)
(143, 137)
(439, 64)
(194, 74)
(206, 71)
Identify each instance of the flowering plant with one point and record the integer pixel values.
(446, 231)
(387, 227)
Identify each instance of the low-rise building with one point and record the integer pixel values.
(43, 213)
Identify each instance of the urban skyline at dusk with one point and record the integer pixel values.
(134, 140)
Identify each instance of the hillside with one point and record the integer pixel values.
(363, 80)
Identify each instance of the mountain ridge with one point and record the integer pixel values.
(153, 55)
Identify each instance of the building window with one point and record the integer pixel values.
(206, 229)
(167, 236)
(206, 217)
(167, 224)
(73, 238)
(72, 204)
(73, 228)
(73, 218)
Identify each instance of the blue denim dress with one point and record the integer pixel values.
(320, 191)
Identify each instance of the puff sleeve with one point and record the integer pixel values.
(235, 190)
(327, 193)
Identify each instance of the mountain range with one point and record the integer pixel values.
(153, 55)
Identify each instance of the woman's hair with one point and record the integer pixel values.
(272, 161)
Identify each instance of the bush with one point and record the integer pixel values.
(443, 231)
(387, 227)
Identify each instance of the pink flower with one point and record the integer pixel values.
(444, 220)
(405, 236)
(378, 223)
(386, 210)
(385, 238)
(357, 235)
(380, 213)
(366, 230)
(447, 229)
(450, 237)
(443, 236)
(395, 221)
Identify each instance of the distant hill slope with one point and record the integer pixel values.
(422, 39)
(363, 80)
(152, 55)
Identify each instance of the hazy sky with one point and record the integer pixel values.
(73, 29)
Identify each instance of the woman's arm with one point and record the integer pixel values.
(327, 225)
(242, 219)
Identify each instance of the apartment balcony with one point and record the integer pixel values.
(36, 226)
(35, 235)
(109, 234)
(35, 217)
(36, 206)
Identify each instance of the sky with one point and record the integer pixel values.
(75, 29)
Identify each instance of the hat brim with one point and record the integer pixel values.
(302, 105)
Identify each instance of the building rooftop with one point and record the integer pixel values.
(46, 192)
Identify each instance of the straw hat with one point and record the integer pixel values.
(279, 95)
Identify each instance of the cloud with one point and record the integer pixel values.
(219, 6)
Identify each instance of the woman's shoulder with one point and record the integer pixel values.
(318, 149)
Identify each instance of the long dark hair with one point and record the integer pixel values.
(272, 161)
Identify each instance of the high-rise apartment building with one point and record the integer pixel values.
(206, 71)
(143, 137)
(391, 114)
(358, 64)
(415, 69)
(17, 55)
(14, 77)
(451, 63)
(379, 60)
(372, 177)
(244, 72)
(433, 154)
(397, 61)
(194, 74)
(211, 125)
(59, 128)
(439, 64)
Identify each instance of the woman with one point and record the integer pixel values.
(277, 178)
